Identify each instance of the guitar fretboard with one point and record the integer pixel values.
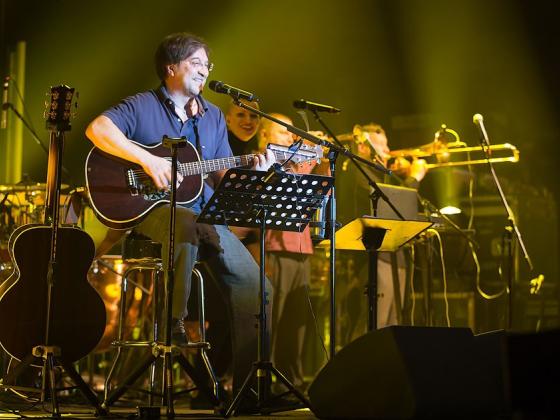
(212, 165)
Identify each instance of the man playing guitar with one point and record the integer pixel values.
(176, 108)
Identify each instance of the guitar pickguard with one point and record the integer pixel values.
(156, 196)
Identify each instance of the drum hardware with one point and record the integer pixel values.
(22, 204)
(6, 268)
(28, 187)
(105, 276)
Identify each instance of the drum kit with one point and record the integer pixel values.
(20, 204)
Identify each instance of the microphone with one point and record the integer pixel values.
(312, 106)
(5, 104)
(221, 87)
(479, 122)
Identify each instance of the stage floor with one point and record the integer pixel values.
(13, 407)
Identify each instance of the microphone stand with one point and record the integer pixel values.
(331, 234)
(510, 229)
(376, 194)
(334, 151)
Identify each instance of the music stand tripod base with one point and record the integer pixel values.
(278, 201)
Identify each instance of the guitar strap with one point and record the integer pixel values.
(196, 136)
(198, 148)
(168, 103)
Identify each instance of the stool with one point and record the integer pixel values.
(143, 254)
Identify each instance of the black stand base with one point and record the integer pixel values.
(169, 354)
(51, 359)
(265, 403)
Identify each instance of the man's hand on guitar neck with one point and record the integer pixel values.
(264, 161)
(159, 170)
(261, 162)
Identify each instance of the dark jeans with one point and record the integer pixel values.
(236, 275)
(290, 274)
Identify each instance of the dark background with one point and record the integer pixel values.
(409, 65)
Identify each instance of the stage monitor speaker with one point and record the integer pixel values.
(533, 373)
(411, 372)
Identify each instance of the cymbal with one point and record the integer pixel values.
(28, 187)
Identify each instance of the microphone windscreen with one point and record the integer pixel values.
(300, 104)
(215, 85)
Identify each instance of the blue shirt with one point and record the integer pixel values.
(148, 116)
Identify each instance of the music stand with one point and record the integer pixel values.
(265, 200)
(373, 234)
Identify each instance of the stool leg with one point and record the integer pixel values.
(201, 301)
(122, 313)
(202, 330)
(155, 331)
(149, 362)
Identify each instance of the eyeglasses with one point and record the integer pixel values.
(197, 64)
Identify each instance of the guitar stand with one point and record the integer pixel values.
(57, 122)
(51, 359)
(284, 202)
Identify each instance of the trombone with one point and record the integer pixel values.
(438, 155)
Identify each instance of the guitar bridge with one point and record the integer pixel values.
(132, 182)
(143, 185)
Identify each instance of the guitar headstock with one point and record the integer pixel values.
(58, 111)
(297, 153)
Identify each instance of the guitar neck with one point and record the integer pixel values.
(212, 165)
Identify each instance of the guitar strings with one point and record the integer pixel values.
(194, 168)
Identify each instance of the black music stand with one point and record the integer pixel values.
(265, 200)
(373, 234)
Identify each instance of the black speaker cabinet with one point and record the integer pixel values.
(412, 372)
(533, 373)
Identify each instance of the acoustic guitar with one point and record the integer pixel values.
(122, 194)
(48, 301)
